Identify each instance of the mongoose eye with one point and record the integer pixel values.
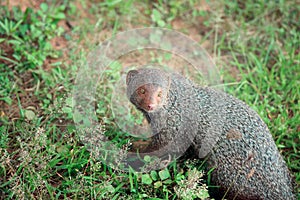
(142, 91)
(159, 94)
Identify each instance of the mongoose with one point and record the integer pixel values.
(224, 130)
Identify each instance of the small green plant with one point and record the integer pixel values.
(191, 186)
(186, 185)
(164, 12)
(6, 85)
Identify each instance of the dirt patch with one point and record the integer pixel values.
(58, 44)
(7, 52)
(196, 32)
(23, 4)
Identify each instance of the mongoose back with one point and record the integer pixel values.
(219, 127)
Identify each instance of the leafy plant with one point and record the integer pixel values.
(191, 186)
(6, 84)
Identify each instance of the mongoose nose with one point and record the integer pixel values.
(150, 106)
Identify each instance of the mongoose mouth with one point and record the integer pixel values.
(150, 109)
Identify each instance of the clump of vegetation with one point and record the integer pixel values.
(25, 36)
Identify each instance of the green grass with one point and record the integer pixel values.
(256, 45)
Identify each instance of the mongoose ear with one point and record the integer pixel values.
(130, 75)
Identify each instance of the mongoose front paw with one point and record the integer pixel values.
(140, 146)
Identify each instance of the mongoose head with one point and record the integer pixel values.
(147, 88)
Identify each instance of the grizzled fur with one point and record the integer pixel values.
(221, 128)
